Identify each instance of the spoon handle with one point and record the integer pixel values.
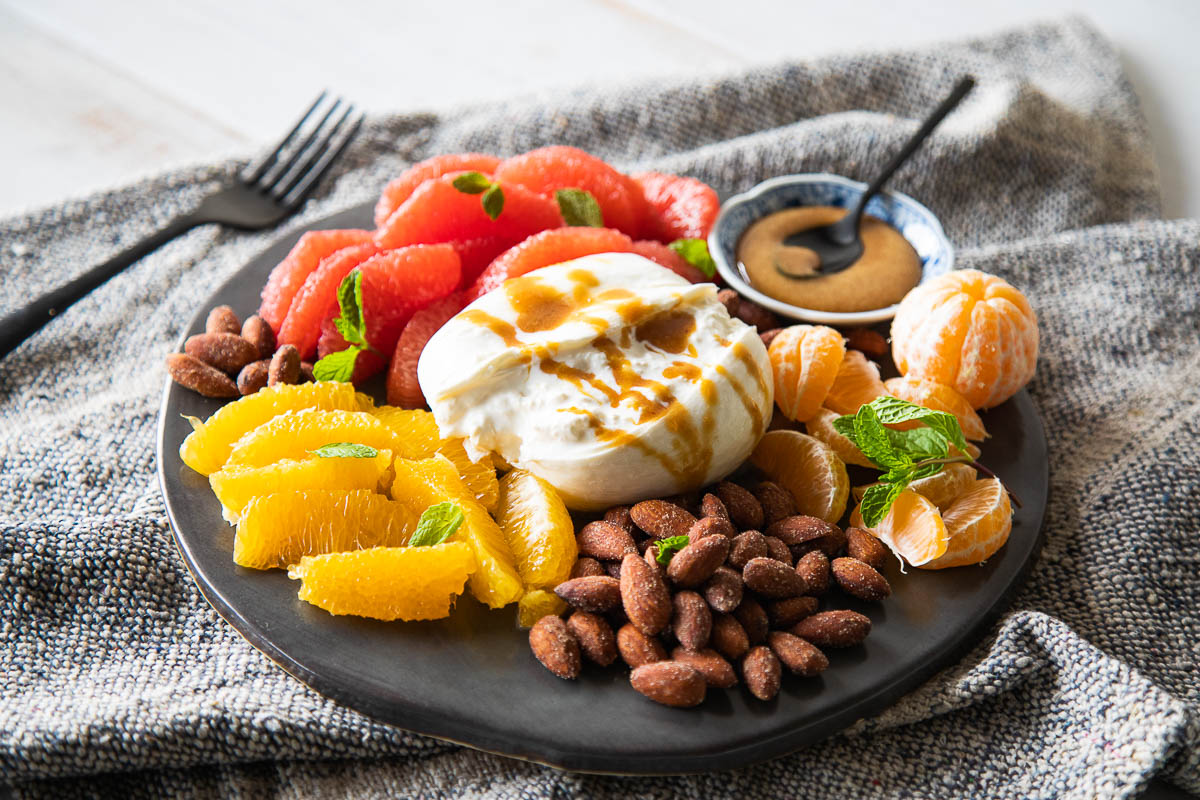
(932, 121)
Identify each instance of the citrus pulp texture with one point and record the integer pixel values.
(807, 468)
(805, 361)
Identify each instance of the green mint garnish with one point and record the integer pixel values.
(669, 547)
(579, 208)
(493, 201)
(695, 252)
(337, 366)
(350, 323)
(345, 450)
(892, 410)
(437, 524)
(478, 183)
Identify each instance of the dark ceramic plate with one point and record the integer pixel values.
(471, 678)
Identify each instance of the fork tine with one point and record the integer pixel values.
(284, 166)
(255, 170)
(334, 149)
(303, 160)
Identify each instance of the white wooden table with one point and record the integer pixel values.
(100, 93)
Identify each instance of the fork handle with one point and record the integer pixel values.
(19, 325)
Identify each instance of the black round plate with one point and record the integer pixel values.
(471, 678)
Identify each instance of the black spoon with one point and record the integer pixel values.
(839, 245)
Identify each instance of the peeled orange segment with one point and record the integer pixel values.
(420, 484)
(821, 427)
(538, 603)
(969, 330)
(297, 434)
(939, 397)
(857, 383)
(913, 528)
(808, 468)
(416, 428)
(942, 488)
(276, 530)
(538, 529)
(478, 476)
(805, 361)
(388, 583)
(207, 448)
(237, 486)
(978, 523)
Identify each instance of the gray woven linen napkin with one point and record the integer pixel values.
(116, 676)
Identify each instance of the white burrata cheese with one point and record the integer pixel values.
(611, 377)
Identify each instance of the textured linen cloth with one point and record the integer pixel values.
(117, 677)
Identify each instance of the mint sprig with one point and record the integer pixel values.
(345, 450)
(695, 252)
(478, 183)
(350, 323)
(669, 547)
(579, 208)
(437, 524)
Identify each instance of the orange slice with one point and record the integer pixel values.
(978, 523)
(538, 529)
(857, 383)
(538, 603)
(296, 434)
(804, 362)
(913, 529)
(808, 468)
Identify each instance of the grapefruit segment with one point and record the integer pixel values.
(402, 387)
(401, 187)
(287, 278)
(664, 256)
(302, 326)
(547, 248)
(677, 207)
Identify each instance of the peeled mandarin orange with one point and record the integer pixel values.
(821, 427)
(276, 530)
(538, 529)
(939, 397)
(856, 384)
(237, 486)
(388, 583)
(805, 361)
(978, 523)
(420, 484)
(538, 603)
(297, 434)
(207, 448)
(971, 331)
(941, 488)
(913, 528)
(808, 468)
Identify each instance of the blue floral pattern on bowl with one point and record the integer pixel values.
(914, 221)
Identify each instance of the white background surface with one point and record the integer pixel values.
(99, 93)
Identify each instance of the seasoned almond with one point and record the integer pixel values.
(696, 562)
(724, 590)
(840, 628)
(869, 342)
(752, 313)
(744, 509)
(587, 566)
(253, 377)
(785, 613)
(746, 546)
(227, 352)
(798, 529)
(194, 374)
(671, 683)
(594, 593)
(285, 366)
(612, 569)
(692, 621)
(832, 544)
(555, 646)
(222, 319)
(814, 568)
(860, 580)
(619, 516)
(777, 502)
(661, 519)
(729, 637)
(595, 635)
(866, 548)
(798, 655)
(637, 649)
(778, 551)
(773, 579)
(644, 595)
(730, 299)
(718, 673)
(762, 673)
(769, 336)
(753, 618)
(711, 506)
(605, 541)
(257, 332)
(306, 372)
(711, 526)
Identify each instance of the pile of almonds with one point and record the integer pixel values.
(742, 597)
(231, 358)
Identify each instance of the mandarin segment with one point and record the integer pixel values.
(805, 361)
(387, 583)
(807, 468)
(978, 523)
(538, 529)
(821, 427)
(941, 488)
(296, 434)
(856, 384)
(913, 528)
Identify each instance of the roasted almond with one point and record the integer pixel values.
(257, 332)
(753, 618)
(776, 501)
(840, 628)
(773, 579)
(769, 336)
(613, 569)
(798, 655)
(752, 313)
(730, 299)
(671, 683)
(595, 593)
(227, 352)
(779, 551)
(605, 541)
(718, 673)
(724, 590)
(644, 596)
(637, 649)
(222, 319)
(194, 374)
(866, 548)
(729, 637)
(555, 646)
(746, 546)
(814, 568)
(711, 526)
(587, 566)
(253, 377)
(692, 621)
(860, 580)
(832, 544)
(661, 519)
(285, 366)
(619, 516)
(744, 509)
(595, 635)
(798, 529)
(711, 506)
(870, 343)
(785, 613)
(696, 562)
(762, 673)
(306, 372)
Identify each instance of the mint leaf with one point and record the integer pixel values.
(579, 208)
(337, 366)
(345, 450)
(845, 426)
(195, 422)
(877, 500)
(891, 410)
(472, 183)
(437, 524)
(695, 252)
(493, 201)
(920, 443)
(926, 470)
(872, 438)
(669, 547)
(349, 321)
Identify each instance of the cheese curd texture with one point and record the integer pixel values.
(610, 377)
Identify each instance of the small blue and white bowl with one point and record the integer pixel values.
(915, 222)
